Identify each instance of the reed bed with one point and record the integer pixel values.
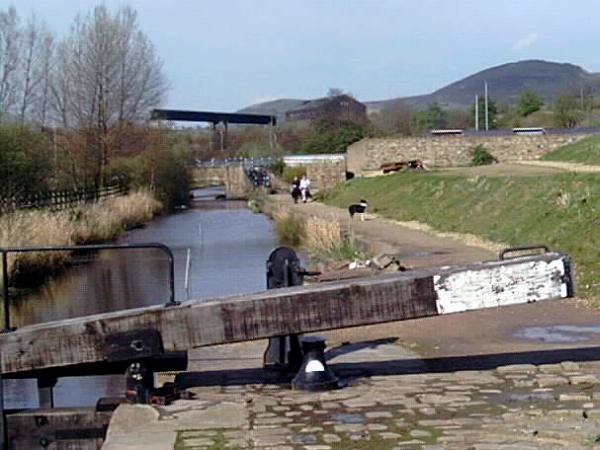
(324, 239)
(85, 224)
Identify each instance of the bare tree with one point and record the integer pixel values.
(107, 73)
(9, 59)
(30, 59)
(394, 118)
(334, 92)
(43, 73)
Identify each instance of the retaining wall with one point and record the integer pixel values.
(446, 151)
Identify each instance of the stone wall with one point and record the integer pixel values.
(446, 151)
(237, 185)
(326, 174)
(204, 176)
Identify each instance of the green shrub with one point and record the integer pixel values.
(289, 231)
(290, 172)
(163, 170)
(25, 160)
(482, 157)
(277, 167)
(333, 137)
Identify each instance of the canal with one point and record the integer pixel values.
(227, 246)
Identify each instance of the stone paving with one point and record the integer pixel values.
(521, 406)
(401, 394)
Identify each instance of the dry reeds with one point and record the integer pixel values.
(323, 238)
(97, 222)
(289, 230)
(322, 233)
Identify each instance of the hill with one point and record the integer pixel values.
(505, 82)
(277, 108)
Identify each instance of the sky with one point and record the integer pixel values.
(224, 55)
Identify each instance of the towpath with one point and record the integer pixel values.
(525, 377)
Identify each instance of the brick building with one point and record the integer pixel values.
(341, 108)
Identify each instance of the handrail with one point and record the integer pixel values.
(4, 251)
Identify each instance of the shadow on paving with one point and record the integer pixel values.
(355, 370)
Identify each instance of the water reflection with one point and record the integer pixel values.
(228, 245)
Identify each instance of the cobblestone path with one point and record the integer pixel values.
(512, 407)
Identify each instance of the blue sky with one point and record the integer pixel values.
(223, 55)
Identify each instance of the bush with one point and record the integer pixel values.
(482, 157)
(290, 172)
(165, 171)
(277, 167)
(333, 137)
(25, 161)
(289, 231)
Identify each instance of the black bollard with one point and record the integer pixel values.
(139, 383)
(314, 375)
(283, 270)
(3, 432)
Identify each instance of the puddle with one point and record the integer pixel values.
(530, 397)
(558, 333)
(347, 418)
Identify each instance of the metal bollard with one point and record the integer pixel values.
(139, 383)
(283, 270)
(314, 375)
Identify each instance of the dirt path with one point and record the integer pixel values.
(414, 244)
(526, 328)
(565, 166)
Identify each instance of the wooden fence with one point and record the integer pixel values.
(60, 199)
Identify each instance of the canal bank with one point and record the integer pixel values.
(227, 246)
(516, 377)
(413, 245)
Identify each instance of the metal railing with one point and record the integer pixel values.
(5, 251)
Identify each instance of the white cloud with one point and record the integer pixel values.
(526, 41)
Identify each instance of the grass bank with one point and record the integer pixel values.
(86, 224)
(559, 210)
(585, 151)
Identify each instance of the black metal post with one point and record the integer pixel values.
(3, 431)
(6, 305)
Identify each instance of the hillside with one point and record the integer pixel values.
(505, 82)
(277, 108)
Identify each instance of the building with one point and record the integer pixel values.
(341, 108)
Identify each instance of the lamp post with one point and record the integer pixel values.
(487, 124)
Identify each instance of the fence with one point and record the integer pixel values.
(56, 200)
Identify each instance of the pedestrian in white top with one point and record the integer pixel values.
(305, 188)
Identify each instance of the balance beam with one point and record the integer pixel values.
(304, 309)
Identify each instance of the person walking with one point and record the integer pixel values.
(305, 188)
(295, 189)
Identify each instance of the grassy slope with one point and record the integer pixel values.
(561, 211)
(585, 151)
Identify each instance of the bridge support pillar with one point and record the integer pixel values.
(224, 135)
(212, 131)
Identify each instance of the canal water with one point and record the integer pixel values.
(227, 246)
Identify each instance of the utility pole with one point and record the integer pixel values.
(476, 112)
(487, 124)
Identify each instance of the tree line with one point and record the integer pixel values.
(569, 109)
(73, 110)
